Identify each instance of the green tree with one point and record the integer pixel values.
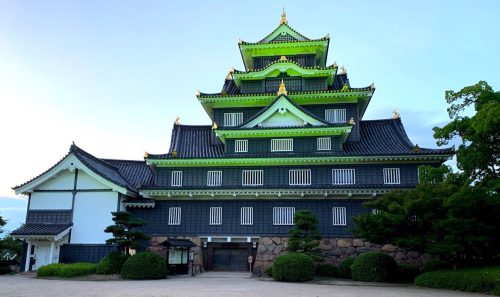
(479, 151)
(8, 244)
(305, 237)
(125, 233)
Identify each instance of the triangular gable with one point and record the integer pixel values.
(283, 113)
(284, 33)
(69, 162)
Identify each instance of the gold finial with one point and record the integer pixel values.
(231, 70)
(214, 126)
(198, 93)
(283, 18)
(146, 154)
(343, 70)
(240, 41)
(372, 86)
(335, 64)
(177, 120)
(327, 35)
(416, 149)
(395, 114)
(282, 89)
(283, 58)
(174, 153)
(229, 76)
(345, 88)
(352, 121)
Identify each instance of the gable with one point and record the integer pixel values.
(283, 113)
(283, 33)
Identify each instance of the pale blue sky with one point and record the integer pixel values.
(113, 75)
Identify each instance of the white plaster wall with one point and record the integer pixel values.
(51, 200)
(92, 214)
(64, 180)
(85, 181)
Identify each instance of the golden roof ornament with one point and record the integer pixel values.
(345, 88)
(282, 89)
(174, 153)
(240, 41)
(416, 149)
(283, 18)
(229, 76)
(395, 114)
(283, 58)
(327, 35)
(177, 120)
(146, 154)
(352, 121)
(198, 93)
(214, 126)
(231, 70)
(335, 64)
(343, 70)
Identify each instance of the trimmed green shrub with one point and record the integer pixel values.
(269, 271)
(374, 267)
(145, 265)
(496, 291)
(293, 267)
(407, 273)
(345, 268)
(112, 263)
(327, 270)
(66, 270)
(434, 265)
(484, 279)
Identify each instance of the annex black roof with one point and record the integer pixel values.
(41, 229)
(174, 242)
(378, 138)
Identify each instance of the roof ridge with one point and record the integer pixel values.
(122, 160)
(74, 148)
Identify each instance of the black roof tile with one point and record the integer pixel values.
(41, 229)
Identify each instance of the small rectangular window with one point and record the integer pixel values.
(343, 176)
(335, 115)
(392, 176)
(283, 215)
(324, 144)
(299, 177)
(247, 215)
(339, 216)
(241, 146)
(232, 119)
(174, 215)
(214, 178)
(176, 179)
(215, 215)
(281, 145)
(252, 177)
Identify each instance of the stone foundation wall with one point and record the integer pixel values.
(334, 250)
(155, 246)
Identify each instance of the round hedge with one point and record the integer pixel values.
(293, 267)
(407, 273)
(345, 268)
(112, 263)
(144, 265)
(327, 270)
(374, 267)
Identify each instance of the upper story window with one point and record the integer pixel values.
(232, 119)
(283, 215)
(339, 216)
(214, 178)
(247, 215)
(335, 115)
(392, 176)
(252, 177)
(174, 215)
(216, 215)
(281, 145)
(299, 177)
(324, 144)
(176, 179)
(241, 146)
(343, 176)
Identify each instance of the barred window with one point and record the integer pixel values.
(216, 215)
(281, 145)
(176, 179)
(335, 115)
(299, 177)
(214, 178)
(247, 215)
(241, 146)
(174, 215)
(343, 176)
(324, 144)
(392, 176)
(252, 177)
(232, 119)
(339, 216)
(283, 215)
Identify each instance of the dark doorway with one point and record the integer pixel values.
(230, 259)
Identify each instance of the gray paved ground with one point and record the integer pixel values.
(206, 284)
